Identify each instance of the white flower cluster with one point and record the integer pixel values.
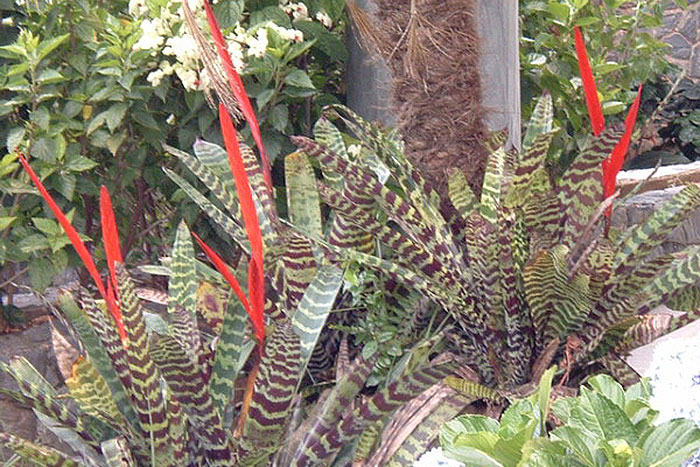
(675, 379)
(166, 34)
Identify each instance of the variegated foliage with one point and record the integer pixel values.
(169, 393)
(524, 264)
(168, 396)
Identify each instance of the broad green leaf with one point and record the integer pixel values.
(299, 78)
(670, 443)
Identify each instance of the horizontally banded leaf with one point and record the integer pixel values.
(216, 157)
(327, 134)
(228, 350)
(85, 450)
(182, 292)
(145, 378)
(492, 190)
(619, 369)
(298, 264)
(231, 227)
(314, 448)
(540, 121)
(38, 394)
(516, 318)
(313, 309)
(367, 440)
(275, 387)
(580, 189)
(389, 149)
(190, 389)
(303, 204)
(89, 389)
(116, 453)
(656, 281)
(401, 211)
(39, 455)
(686, 299)
(461, 194)
(558, 305)
(645, 237)
(542, 215)
(424, 435)
(530, 175)
(403, 389)
(473, 389)
(110, 364)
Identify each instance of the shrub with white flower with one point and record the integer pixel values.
(286, 54)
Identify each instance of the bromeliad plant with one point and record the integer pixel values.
(144, 395)
(528, 272)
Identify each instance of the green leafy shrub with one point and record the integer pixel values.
(85, 93)
(604, 425)
(626, 54)
(290, 56)
(76, 100)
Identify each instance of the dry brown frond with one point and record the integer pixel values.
(212, 66)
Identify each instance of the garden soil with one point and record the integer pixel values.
(433, 51)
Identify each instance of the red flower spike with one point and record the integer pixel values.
(79, 246)
(110, 236)
(613, 164)
(238, 89)
(256, 275)
(595, 110)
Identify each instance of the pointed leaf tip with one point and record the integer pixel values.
(613, 165)
(110, 239)
(77, 243)
(595, 111)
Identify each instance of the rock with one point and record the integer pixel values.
(35, 345)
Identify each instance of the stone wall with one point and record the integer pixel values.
(681, 30)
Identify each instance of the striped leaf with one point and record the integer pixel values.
(182, 292)
(310, 316)
(424, 435)
(89, 389)
(275, 387)
(580, 189)
(540, 121)
(473, 390)
(145, 377)
(229, 348)
(314, 447)
(303, 202)
(36, 454)
(492, 190)
(399, 392)
(642, 239)
(228, 225)
(190, 389)
(461, 194)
